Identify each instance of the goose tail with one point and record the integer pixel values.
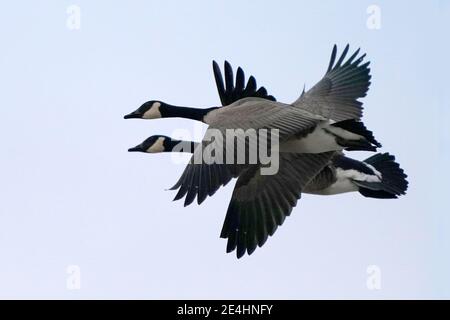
(355, 136)
(393, 178)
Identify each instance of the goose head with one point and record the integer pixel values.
(160, 143)
(152, 109)
(153, 144)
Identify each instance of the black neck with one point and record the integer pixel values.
(179, 146)
(168, 111)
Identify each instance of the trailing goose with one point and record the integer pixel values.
(376, 177)
(260, 203)
(323, 120)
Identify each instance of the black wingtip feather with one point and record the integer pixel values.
(230, 92)
(251, 85)
(342, 57)
(353, 56)
(179, 195)
(229, 77)
(332, 58)
(240, 81)
(219, 82)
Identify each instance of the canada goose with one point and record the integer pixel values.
(333, 97)
(376, 177)
(260, 204)
(322, 120)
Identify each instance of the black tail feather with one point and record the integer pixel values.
(369, 143)
(378, 194)
(393, 182)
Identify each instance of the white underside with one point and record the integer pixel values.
(319, 140)
(344, 182)
(340, 186)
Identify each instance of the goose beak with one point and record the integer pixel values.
(133, 115)
(136, 149)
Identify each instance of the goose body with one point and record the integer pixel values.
(341, 174)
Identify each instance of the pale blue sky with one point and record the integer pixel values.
(72, 195)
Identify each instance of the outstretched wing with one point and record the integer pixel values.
(336, 95)
(260, 203)
(203, 176)
(203, 180)
(231, 91)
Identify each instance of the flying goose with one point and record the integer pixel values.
(333, 97)
(322, 120)
(379, 176)
(260, 204)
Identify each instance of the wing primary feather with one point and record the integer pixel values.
(344, 53)
(229, 77)
(193, 186)
(242, 232)
(261, 92)
(349, 61)
(252, 242)
(240, 82)
(332, 58)
(219, 82)
(251, 85)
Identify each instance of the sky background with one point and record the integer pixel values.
(71, 194)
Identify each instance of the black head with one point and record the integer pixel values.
(149, 110)
(153, 144)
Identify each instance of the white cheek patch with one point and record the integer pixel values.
(158, 146)
(153, 112)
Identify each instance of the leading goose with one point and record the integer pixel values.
(259, 203)
(323, 120)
